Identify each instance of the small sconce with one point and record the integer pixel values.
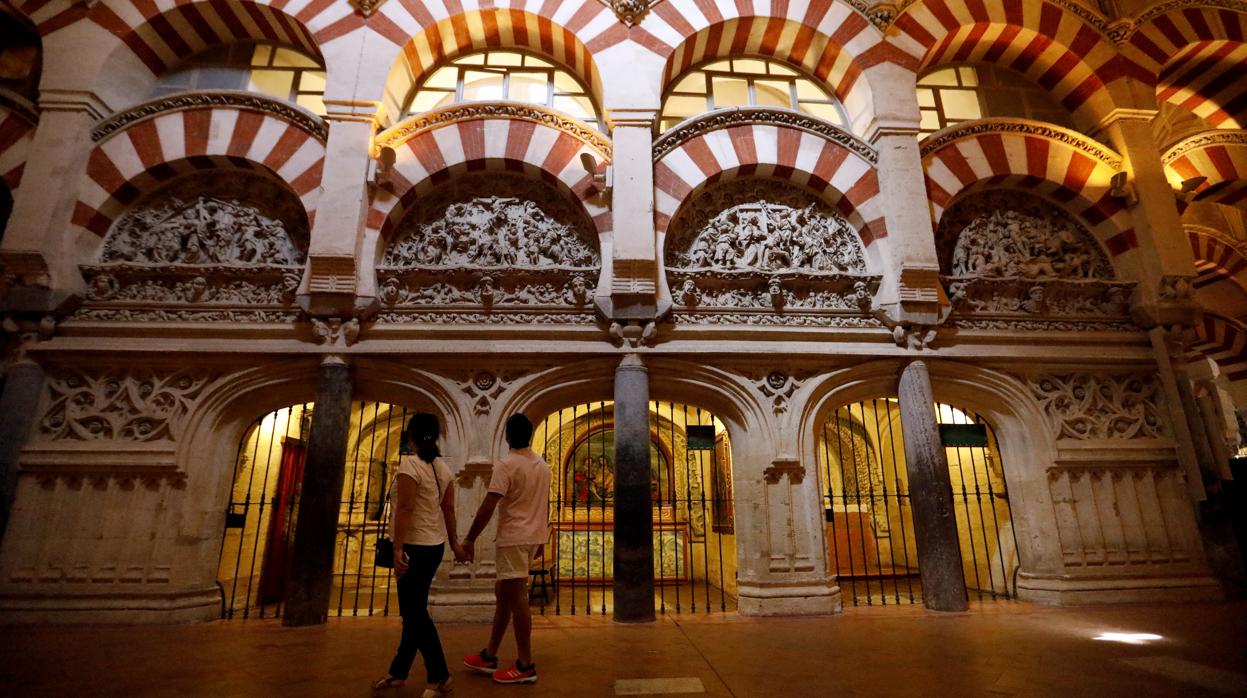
(380, 169)
(1120, 188)
(603, 180)
(1188, 187)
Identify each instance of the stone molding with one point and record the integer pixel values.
(784, 466)
(120, 404)
(748, 116)
(968, 129)
(1203, 140)
(1086, 406)
(412, 126)
(229, 99)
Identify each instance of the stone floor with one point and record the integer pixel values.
(1002, 649)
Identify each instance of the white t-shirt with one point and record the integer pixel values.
(426, 526)
(523, 479)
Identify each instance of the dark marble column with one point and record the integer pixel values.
(316, 527)
(634, 508)
(18, 406)
(930, 494)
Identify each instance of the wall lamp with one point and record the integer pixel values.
(379, 170)
(1119, 187)
(1186, 191)
(604, 179)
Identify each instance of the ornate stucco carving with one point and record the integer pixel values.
(739, 116)
(1100, 406)
(199, 100)
(413, 125)
(495, 318)
(1121, 31)
(1203, 140)
(1057, 298)
(968, 129)
(630, 11)
(121, 404)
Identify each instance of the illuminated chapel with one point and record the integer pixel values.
(815, 304)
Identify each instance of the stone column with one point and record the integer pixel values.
(634, 513)
(930, 494)
(38, 247)
(634, 256)
(18, 405)
(316, 524)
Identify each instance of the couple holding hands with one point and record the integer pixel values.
(422, 523)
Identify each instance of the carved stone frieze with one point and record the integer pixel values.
(777, 385)
(496, 220)
(413, 125)
(235, 315)
(557, 288)
(733, 317)
(1100, 406)
(119, 404)
(199, 100)
(1056, 298)
(181, 293)
(977, 127)
(693, 290)
(1122, 31)
(740, 116)
(1010, 234)
(477, 318)
(219, 218)
(1032, 325)
(335, 331)
(483, 387)
(1203, 140)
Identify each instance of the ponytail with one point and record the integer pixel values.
(423, 430)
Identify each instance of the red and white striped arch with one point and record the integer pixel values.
(1223, 161)
(1056, 170)
(433, 156)
(16, 132)
(147, 153)
(841, 177)
(428, 41)
(1052, 46)
(1196, 58)
(827, 40)
(1224, 341)
(1216, 261)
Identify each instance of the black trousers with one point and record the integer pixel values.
(419, 633)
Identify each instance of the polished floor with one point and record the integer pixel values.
(1001, 649)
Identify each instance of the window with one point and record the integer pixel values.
(747, 82)
(276, 71)
(504, 76)
(951, 95)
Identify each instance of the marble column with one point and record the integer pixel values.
(930, 494)
(634, 522)
(316, 524)
(18, 405)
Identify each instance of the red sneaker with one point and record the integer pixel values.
(516, 675)
(481, 662)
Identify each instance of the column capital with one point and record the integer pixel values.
(1125, 114)
(877, 131)
(346, 110)
(80, 101)
(632, 117)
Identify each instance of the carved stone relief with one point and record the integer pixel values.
(1100, 406)
(119, 404)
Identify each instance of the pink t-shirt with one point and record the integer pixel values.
(523, 479)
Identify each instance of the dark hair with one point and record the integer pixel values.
(423, 430)
(519, 431)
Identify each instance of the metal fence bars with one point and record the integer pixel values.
(259, 526)
(870, 528)
(691, 481)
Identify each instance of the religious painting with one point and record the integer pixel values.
(721, 486)
(589, 472)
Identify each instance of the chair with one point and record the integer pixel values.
(541, 571)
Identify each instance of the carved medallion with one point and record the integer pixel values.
(233, 218)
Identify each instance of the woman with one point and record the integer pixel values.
(423, 514)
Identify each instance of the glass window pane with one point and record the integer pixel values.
(779, 69)
(226, 78)
(534, 61)
(824, 111)
(313, 103)
(505, 58)
(696, 82)
(754, 67)
(771, 93)
(526, 87)
(723, 66)
(444, 78)
(730, 92)
(293, 59)
(277, 83)
(968, 76)
(262, 55)
(427, 100)
(946, 76)
(806, 89)
(564, 82)
(960, 104)
(926, 97)
(930, 120)
(474, 59)
(482, 86)
(579, 107)
(312, 81)
(684, 107)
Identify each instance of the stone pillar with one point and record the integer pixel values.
(634, 256)
(337, 236)
(1176, 406)
(38, 247)
(634, 508)
(316, 523)
(930, 494)
(18, 406)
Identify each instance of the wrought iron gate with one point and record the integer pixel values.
(259, 526)
(694, 536)
(870, 528)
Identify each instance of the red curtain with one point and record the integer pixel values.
(280, 524)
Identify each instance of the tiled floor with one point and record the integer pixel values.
(998, 649)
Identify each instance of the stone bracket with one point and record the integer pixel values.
(784, 466)
(473, 471)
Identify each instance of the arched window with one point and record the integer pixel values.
(277, 71)
(747, 82)
(951, 95)
(504, 76)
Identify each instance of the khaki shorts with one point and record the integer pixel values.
(513, 561)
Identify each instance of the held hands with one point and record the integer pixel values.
(465, 551)
(461, 556)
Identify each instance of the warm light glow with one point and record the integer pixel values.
(1128, 638)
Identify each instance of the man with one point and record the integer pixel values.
(520, 490)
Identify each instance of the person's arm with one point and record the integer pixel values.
(404, 509)
(452, 526)
(483, 515)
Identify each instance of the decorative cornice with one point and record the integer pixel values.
(969, 129)
(231, 99)
(412, 126)
(20, 106)
(1203, 140)
(738, 116)
(1122, 31)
